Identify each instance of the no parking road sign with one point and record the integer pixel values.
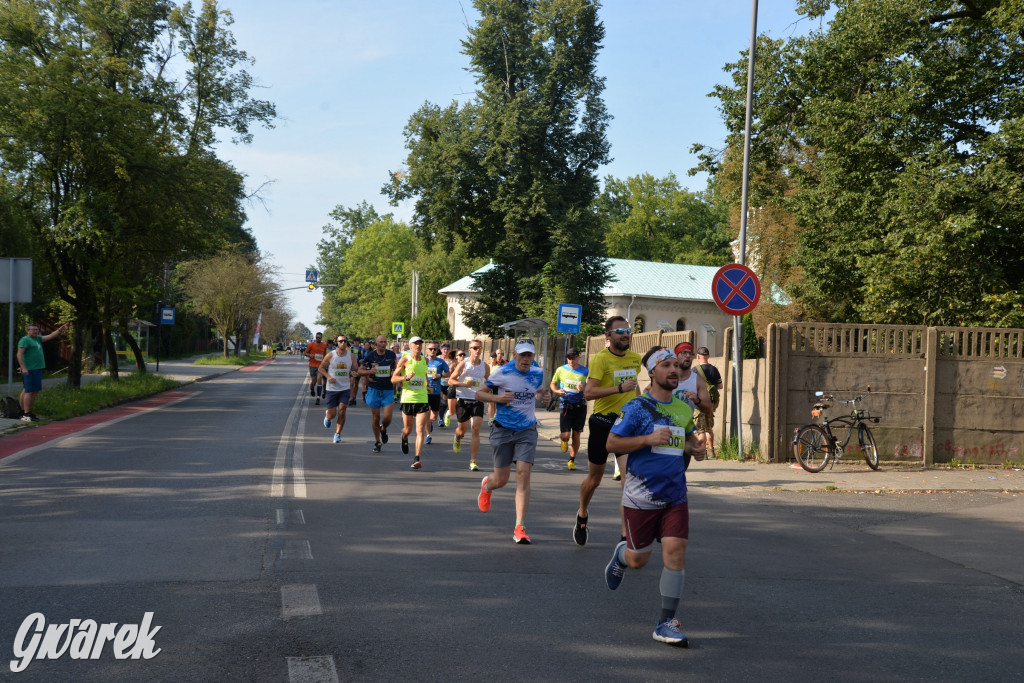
(736, 289)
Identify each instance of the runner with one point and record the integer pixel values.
(357, 355)
(315, 352)
(611, 382)
(657, 432)
(467, 376)
(496, 360)
(514, 432)
(689, 389)
(437, 372)
(412, 372)
(705, 421)
(378, 365)
(337, 370)
(447, 390)
(567, 383)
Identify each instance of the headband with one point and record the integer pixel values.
(657, 357)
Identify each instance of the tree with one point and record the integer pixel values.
(231, 289)
(654, 219)
(898, 130)
(346, 224)
(513, 171)
(99, 141)
(299, 332)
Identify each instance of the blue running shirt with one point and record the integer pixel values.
(655, 475)
(436, 366)
(521, 412)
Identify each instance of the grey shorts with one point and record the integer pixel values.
(509, 446)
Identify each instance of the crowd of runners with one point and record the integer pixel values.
(652, 435)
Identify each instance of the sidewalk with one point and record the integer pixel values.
(734, 476)
(181, 370)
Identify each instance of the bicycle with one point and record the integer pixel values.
(815, 445)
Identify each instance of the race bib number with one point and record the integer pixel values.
(417, 383)
(341, 374)
(383, 371)
(318, 356)
(475, 383)
(623, 376)
(571, 385)
(675, 445)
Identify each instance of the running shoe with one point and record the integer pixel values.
(337, 438)
(415, 465)
(615, 570)
(26, 418)
(405, 446)
(457, 445)
(473, 467)
(383, 434)
(519, 535)
(668, 632)
(376, 447)
(447, 420)
(440, 423)
(579, 530)
(483, 501)
(317, 401)
(428, 438)
(327, 423)
(571, 464)
(352, 402)
(618, 474)
(564, 446)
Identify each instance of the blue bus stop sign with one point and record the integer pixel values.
(569, 318)
(736, 289)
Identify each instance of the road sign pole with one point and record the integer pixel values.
(737, 383)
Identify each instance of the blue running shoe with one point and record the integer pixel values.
(327, 423)
(337, 438)
(668, 632)
(428, 438)
(615, 570)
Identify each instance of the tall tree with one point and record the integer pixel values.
(900, 127)
(513, 171)
(655, 219)
(99, 140)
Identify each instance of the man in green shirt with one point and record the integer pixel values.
(31, 363)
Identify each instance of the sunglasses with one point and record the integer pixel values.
(343, 341)
(461, 355)
(623, 330)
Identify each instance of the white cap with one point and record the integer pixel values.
(525, 346)
(415, 339)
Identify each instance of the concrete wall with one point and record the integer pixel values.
(943, 394)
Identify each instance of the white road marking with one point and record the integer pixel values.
(312, 670)
(281, 460)
(296, 550)
(300, 600)
(298, 473)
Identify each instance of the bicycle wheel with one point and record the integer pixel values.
(812, 447)
(867, 446)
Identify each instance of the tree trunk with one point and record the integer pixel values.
(140, 360)
(111, 352)
(77, 342)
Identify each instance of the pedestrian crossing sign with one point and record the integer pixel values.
(398, 328)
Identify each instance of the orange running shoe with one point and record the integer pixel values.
(484, 499)
(519, 535)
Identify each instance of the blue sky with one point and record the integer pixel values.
(346, 76)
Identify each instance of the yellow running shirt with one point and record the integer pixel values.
(611, 371)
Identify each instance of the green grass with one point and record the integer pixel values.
(61, 402)
(730, 450)
(244, 359)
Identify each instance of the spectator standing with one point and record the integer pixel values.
(31, 363)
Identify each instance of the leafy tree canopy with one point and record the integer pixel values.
(892, 138)
(512, 172)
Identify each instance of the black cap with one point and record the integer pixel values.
(572, 352)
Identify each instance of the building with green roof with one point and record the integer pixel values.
(670, 296)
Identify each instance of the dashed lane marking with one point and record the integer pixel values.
(312, 670)
(300, 600)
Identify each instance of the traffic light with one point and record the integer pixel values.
(312, 286)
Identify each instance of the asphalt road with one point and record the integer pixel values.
(267, 553)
